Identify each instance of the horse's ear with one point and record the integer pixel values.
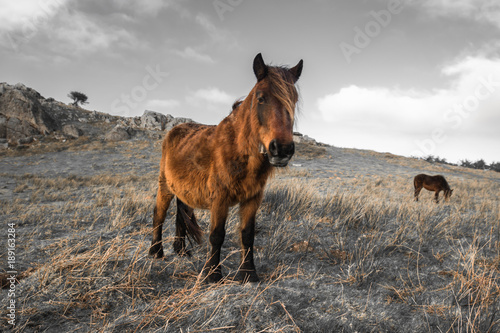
(259, 67)
(297, 70)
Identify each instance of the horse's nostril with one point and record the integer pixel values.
(273, 148)
(289, 149)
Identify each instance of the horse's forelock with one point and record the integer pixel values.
(282, 87)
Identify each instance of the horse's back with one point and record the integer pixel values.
(423, 180)
(187, 140)
(421, 176)
(184, 135)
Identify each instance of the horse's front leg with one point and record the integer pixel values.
(212, 268)
(248, 210)
(436, 196)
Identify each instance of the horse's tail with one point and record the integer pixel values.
(186, 221)
(417, 181)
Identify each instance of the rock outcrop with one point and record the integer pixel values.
(25, 115)
(22, 113)
(300, 138)
(120, 133)
(154, 120)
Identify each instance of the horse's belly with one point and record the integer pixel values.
(430, 188)
(191, 193)
(188, 183)
(203, 193)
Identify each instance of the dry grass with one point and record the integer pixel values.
(309, 151)
(349, 254)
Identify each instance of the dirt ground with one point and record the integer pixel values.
(340, 247)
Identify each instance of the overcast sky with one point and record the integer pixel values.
(406, 77)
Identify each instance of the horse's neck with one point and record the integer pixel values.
(246, 139)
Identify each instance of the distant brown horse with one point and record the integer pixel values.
(215, 167)
(432, 183)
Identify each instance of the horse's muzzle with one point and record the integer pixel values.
(280, 154)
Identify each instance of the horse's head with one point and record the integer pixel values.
(447, 194)
(273, 107)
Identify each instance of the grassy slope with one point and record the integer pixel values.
(341, 246)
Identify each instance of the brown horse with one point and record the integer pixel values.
(432, 183)
(215, 167)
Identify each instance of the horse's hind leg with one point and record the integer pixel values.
(163, 199)
(184, 212)
(417, 192)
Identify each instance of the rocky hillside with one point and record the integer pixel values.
(27, 116)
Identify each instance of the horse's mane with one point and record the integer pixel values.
(445, 183)
(236, 104)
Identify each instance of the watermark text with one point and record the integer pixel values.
(139, 93)
(12, 273)
(224, 6)
(372, 29)
(455, 115)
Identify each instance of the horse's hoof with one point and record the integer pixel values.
(156, 251)
(213, 276)
(180, 249)
(249, 277)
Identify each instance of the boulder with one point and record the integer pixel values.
(25, 141)
(300, 138)
(159, 121)
(72, 131)
(154, 120)
(14, 129)
(119, 133)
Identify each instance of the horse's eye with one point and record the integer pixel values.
(261, 100)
